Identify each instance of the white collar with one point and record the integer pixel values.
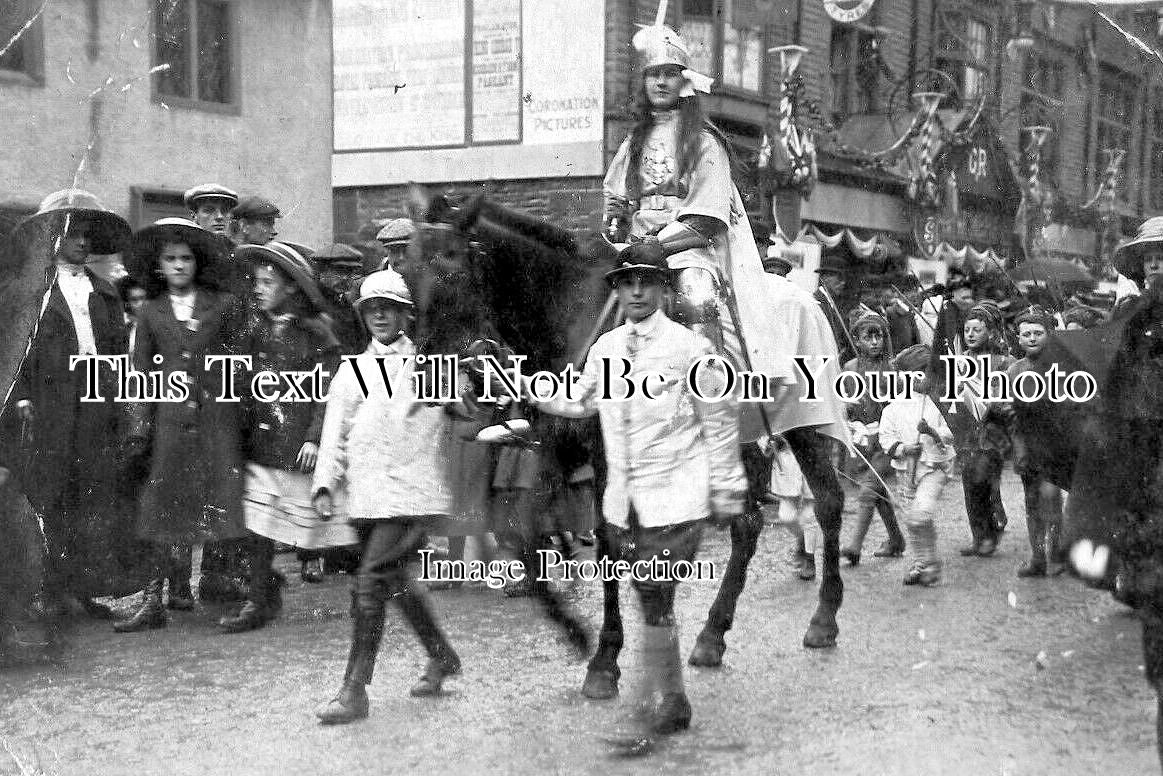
(401, 346)
(64, 269)
(648, 325)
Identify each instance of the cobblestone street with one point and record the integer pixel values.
(985, 674)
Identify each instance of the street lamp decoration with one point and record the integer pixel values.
(923, 187)
(1036, 199)
(790, 159)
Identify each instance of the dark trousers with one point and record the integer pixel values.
(388, 547)
(980, 474)
(667, 543)
(261, 552)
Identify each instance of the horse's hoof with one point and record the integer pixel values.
(707, 653)
(821, 636)
(600, 685)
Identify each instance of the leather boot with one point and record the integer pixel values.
(674, 712)
(894, 545)
(150, 615)
(348, 705)
(855, 545)
(250, 617)
(367, 631)
(443, 660)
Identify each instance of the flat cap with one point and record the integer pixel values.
(396, 230)
(209, 191)
(255, 207)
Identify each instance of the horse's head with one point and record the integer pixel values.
(443, 271)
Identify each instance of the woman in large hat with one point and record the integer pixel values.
(64, 462)
(193, 493)
(286, 334)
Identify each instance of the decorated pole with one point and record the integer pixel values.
(923, 186)
(791, 157)
(1036, 198)
(1107, 210)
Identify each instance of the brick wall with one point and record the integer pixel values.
(572, 203)
(278, 144)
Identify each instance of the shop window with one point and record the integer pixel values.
(21, 41)
(855, 71)
(1043, 83)
(727, 41)
(1116, 113)
(965, 51)
(196, 39)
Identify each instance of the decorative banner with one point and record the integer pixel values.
(848, 10)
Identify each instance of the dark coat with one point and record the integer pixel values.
(274, 432)
(836, 323)
(72, 442)
(194, 490)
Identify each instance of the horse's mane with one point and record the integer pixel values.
(529, 275)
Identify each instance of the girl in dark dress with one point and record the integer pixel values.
(284, 334)
(193, 493)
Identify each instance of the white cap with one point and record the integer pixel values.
(385, 284)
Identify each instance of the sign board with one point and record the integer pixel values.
(848, 11)
(444, 90)
(981, 167)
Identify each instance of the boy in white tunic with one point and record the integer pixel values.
(673, 460)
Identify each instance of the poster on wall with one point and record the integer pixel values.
(399, 73)
(519, 88)
(496, 71)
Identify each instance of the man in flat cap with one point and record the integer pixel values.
(395, 237)
(210, 205)
(254, 221)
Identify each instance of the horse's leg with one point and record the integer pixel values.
(602, 673)
(710, 644)
(812, 451)
(529, 510)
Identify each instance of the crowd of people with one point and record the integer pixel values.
(166, 494)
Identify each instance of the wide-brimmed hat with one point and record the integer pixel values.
(1128, 256)
(209, 248)
(290, 261)
(209, 191)
(384, 284)
(775, 258)
(108, 232)
(639, 264)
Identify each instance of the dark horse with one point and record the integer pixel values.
(1108, 453)
(484, 271)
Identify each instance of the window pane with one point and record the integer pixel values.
(172, 21)
(741, 57)
(213, 52)
(13, 16)
(977, 36)
(700, 39)
(742, 45)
